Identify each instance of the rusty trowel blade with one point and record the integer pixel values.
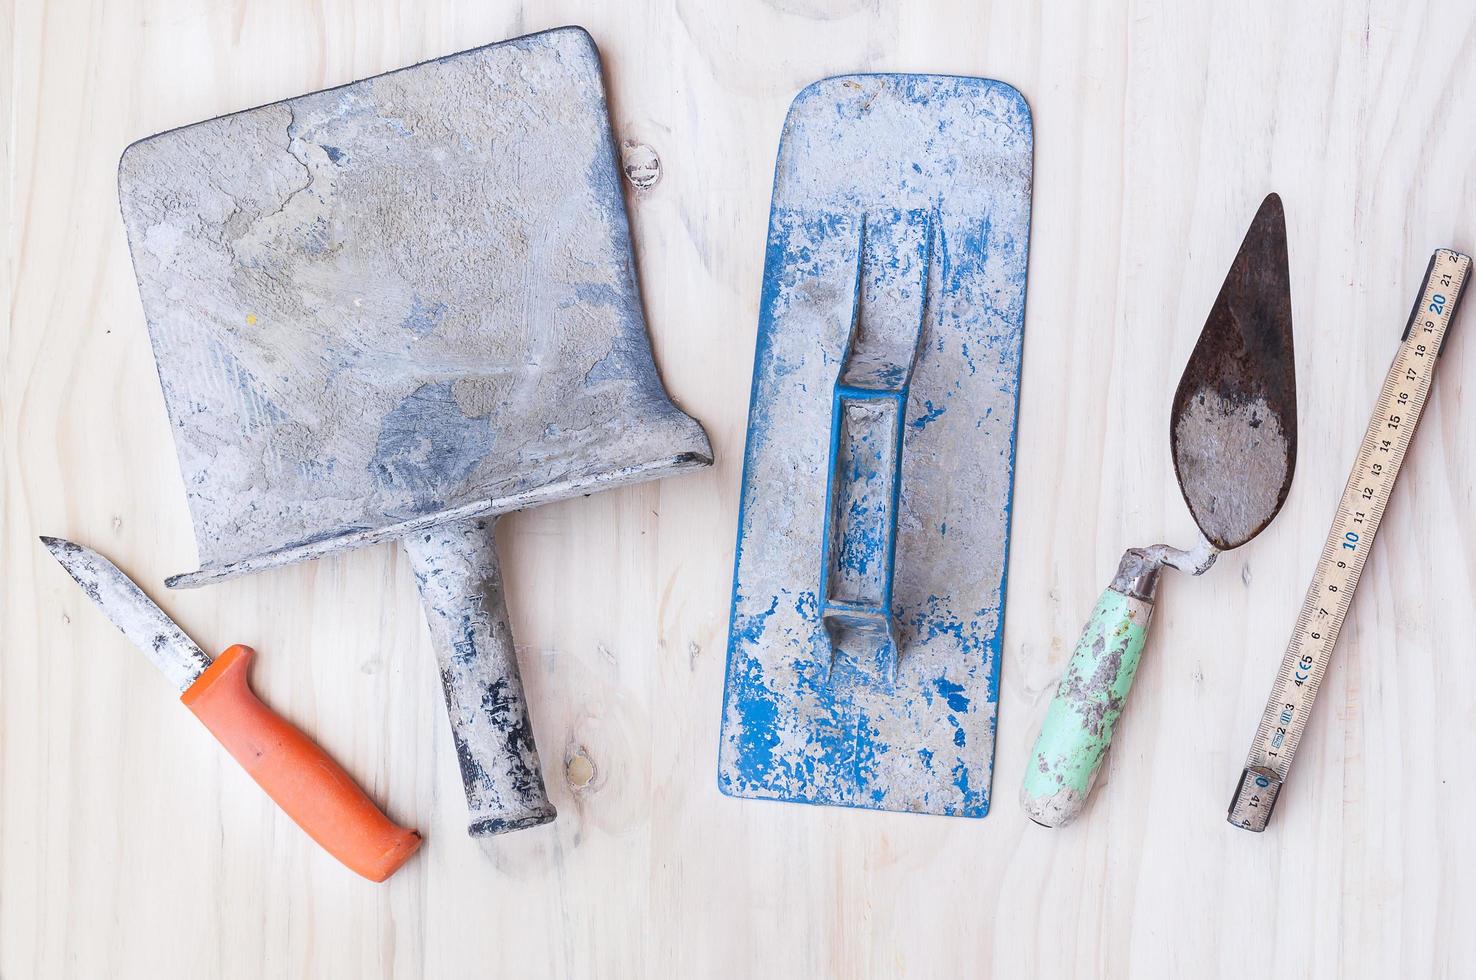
(1234, 422)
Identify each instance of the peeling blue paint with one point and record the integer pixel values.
(953, 693)
(933, 413)
(798, 725)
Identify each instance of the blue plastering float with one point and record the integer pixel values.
(873, 535)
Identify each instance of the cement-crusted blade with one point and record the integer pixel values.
(1234, 422)
(151, 630)
(398, 305)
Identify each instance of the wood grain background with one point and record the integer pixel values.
(131, 847)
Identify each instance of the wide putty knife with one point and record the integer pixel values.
(309, 786)
(868, 592)
(1233, 432)
(390, 311)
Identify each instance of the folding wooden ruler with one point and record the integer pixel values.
(1401, 400)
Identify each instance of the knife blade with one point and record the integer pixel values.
(177, 656)
(299, 776)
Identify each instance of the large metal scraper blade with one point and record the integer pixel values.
(391, 310)
(868, 595)
(402, 302)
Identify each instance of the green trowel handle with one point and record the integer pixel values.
(1090, 696)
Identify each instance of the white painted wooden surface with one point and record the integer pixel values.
(131, 847)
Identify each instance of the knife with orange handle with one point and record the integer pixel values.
(309, 786)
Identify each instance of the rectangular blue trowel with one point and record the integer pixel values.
(869, 584)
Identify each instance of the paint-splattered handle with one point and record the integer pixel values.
(461, 591)
(1089, 698)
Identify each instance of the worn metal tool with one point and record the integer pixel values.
(1233, 433)
(868, 592)
(393, 310)
(309, 786)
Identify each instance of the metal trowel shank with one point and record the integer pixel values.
(1233, 428)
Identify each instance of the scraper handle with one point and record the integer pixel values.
(299, 776)
(461, 591)
(1090, 696)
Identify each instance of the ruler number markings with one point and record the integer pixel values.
(1340, 566)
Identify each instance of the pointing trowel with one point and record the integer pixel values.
(299, 776)
(1233, 432)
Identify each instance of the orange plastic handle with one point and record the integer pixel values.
(309, 786)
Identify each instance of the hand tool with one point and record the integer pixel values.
(300, 778)
(869, 582)
(1233, 434)
(1390, 430)
(393, 310)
